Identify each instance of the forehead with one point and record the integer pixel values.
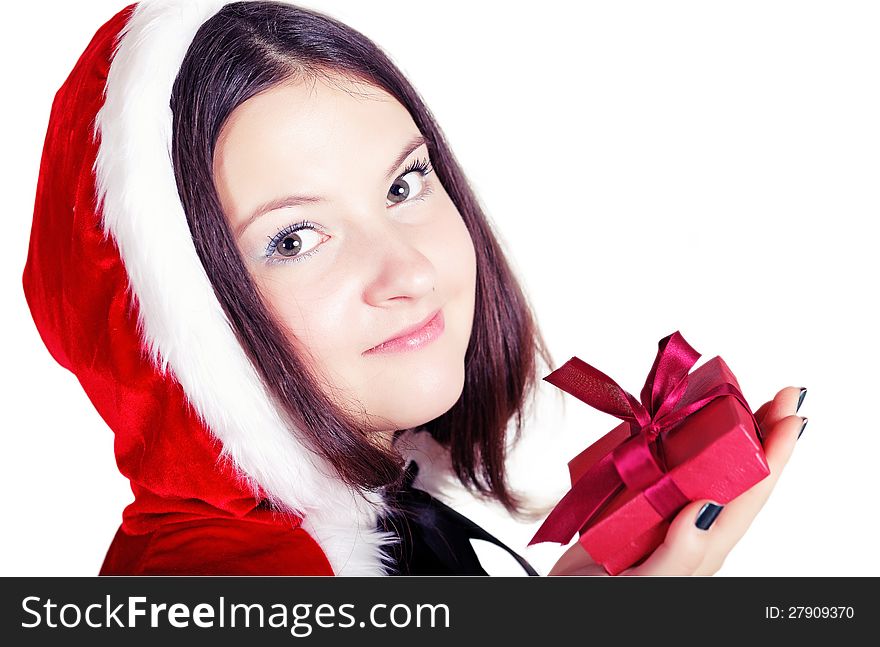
(301, 135)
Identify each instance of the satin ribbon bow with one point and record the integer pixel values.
(637, 463)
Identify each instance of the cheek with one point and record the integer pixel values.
(455, 260)
(313, 319)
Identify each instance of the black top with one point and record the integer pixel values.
(434, 538)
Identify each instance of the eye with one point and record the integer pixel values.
(411, 185)
(295, 242)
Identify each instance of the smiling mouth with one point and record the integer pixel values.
(413, 340)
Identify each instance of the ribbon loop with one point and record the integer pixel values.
(667, 379)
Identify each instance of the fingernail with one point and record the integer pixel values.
(801, 398)
(707, 515)
(803, 426)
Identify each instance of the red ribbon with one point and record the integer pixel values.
(634, 463)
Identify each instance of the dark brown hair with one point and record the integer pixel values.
(249, 47)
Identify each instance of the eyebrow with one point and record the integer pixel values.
(296, 200)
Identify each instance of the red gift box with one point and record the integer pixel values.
(691, 436)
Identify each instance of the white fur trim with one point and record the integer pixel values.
(181, 321)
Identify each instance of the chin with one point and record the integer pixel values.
(423, 397)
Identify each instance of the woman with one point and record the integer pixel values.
(280, 292)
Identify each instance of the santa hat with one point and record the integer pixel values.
(121, 299)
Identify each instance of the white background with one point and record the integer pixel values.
(697, 166)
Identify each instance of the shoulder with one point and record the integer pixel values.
(217, 546)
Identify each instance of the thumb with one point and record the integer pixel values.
(687, 541)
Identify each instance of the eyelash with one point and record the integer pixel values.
(422, 165)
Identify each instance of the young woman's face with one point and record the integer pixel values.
(352, 239)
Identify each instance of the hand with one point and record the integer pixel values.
(687, 550)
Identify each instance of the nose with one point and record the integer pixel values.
(395, 265)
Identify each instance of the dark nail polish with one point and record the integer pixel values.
(707, 515)
(801, 398)
(803, 426)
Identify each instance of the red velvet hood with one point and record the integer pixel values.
(123, 303)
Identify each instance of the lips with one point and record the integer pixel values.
(413, 337)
